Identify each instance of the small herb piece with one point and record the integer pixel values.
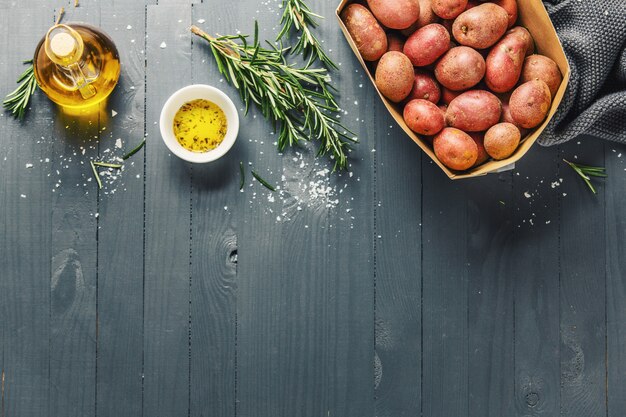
(242, 176)
(107, 165)
(502, 202)
(60, 16)
(76, 3)
(96, 175)
(586, 172)
(135, 150)
(298, 15)
(17, 101)
(300, 99)
(262, 181)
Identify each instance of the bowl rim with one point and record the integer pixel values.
(193, 92)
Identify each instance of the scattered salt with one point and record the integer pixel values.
(23, 195)
(527, 194)
(201, 20)
(118, 143)
(113, 113)
(129, 27)
(29, 165)
(163, 45)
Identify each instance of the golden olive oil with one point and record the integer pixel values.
(200, 125)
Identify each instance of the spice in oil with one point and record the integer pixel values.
(200, 125)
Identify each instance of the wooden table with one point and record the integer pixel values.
(391, 291)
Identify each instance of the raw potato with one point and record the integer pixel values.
(539, 67)
(505, 60)
(480, 27)
(479, 138)
(506, 115)
(530, 103)
(455, 149)
(425, 87)
(427, 16)
(448, 9)
(502, 140)
(395, 14)
(448, 95)
(423, 117)
(395, 42)
(460, 68)
(369, 37)
(427, 44)
(395, 76)
(474, 111)
(511, 9)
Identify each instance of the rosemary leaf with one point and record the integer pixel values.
(95, 174)
(586, 171)
(262, 181)
(17, 100)
(242, 176)
(135, 150)
(107, 165)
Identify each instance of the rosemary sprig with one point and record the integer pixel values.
(298, 16)
(17, 100)
(242, 176)
(586, 172)
(300, 99)
(135, 150)
(95, 174)
(107, 165)
(262, 181)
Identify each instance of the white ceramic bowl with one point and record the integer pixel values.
(194, 92)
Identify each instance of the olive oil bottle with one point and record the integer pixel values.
(76, 65)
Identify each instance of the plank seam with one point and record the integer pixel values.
(375, 266)
(145, 158)
(422, 284)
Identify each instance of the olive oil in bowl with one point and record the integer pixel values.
(200, 125)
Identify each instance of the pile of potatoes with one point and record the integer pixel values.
(464, 73)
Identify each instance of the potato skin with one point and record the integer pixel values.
(395, 14)
(474, 111)
(394, 76)
(511, 9)
(425, 87)
(427, 16)
(530, 103)
(479, 139)
(423, 117)
(395, 41)
(448, 95)
(460, 68)
(501, 140)
(480, 27)
(505, 60)
(507, 118)
(365, 31)
(539, 67)
(448, 9)
(455, 149)
(427, 44)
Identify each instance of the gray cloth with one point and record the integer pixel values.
(593, 34)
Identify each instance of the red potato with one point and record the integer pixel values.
(448, 95)
(425, 87)
(501, 140)
(448, 25)
(539, 67)
(505, 60)
(511, 9)
(507, 118)
(395, 76)
(369, 37)
(479, 138)
(395, 42)
(460, 68)
(455, 149)
(427, 16)
(471, 4)
(395, 14)
(427, 44)
(474, 111)
(530, 103)
(448, 9)
(423, 117)
(480, 27)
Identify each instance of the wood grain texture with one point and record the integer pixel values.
(490, 303)
(73, 318)
(444, 294)
(121, 223)
(398, 271)
(583, 286)
(25, 199)
(616, 278)
(215, 211)
(168, 222)
(534, 271)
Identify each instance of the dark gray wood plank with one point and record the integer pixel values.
(74, 257)
(534, 271)
(490, 300)
(444, 294)
(168, 222)
(25, 198)
(216, 203)
(615, 160)
(120, 222)
(398, 270)
(583, 287)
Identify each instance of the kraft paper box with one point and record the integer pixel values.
(534, 17)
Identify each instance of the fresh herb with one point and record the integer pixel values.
(107, 165)
(299, 98)
(262, 181)
(135, 150)
(298, 16)
(95, 174)
(17, 101)
(60, 16)
(586, 172)
(242, 176)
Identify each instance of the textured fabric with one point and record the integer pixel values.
(593, 34)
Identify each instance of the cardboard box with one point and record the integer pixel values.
(534, 17)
